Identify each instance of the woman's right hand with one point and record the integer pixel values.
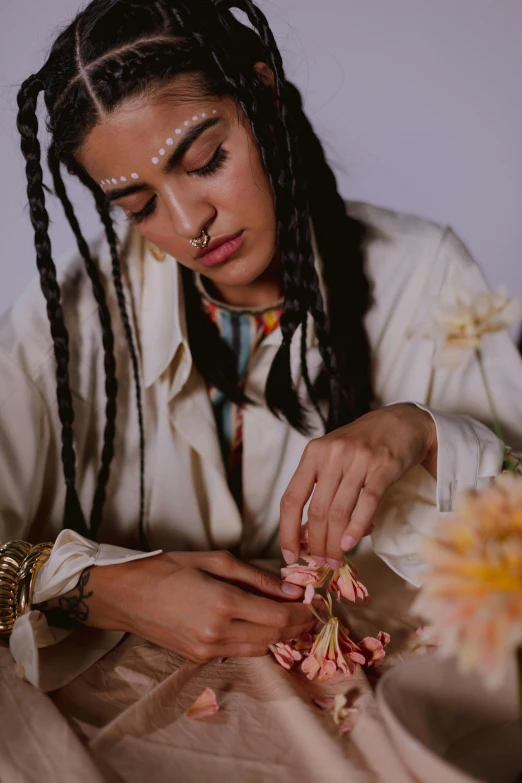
(202, 605)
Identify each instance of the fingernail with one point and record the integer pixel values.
(319, 561)
(289, 556)
(335, 564)
(348, 543)
(292, 590)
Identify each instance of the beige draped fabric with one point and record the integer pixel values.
(124, 721)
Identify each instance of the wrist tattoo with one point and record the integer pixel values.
(71, 610)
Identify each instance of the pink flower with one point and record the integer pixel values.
(286, 654)
(331, 650)
(309, 594)
(304, 575)
(373, 648)
(345, 581)
(204, 707)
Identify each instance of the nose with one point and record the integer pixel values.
(189, 216)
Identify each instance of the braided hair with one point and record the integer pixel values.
(117, 49)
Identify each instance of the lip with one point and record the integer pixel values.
(220, 249)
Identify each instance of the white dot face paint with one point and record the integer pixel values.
(155, 160)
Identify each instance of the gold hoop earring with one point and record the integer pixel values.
(157, 253)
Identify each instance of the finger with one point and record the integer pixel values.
(340, 512)
(227, 567)
(249, 633)
(367, 504)
(325, 490)
(264, 611)
(292, 505)
(241, 650)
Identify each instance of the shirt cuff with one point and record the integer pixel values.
(467, 452)
(49, 658)
(71, 555)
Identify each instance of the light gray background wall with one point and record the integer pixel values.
(419, 103)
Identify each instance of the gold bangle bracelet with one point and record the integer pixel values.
(11, 558)
(27, 574)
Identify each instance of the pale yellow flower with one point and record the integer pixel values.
(472, 589)
(460, 319)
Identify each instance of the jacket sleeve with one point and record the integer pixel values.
(47, 657)
(469, 452)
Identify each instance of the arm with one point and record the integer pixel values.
(394, 470)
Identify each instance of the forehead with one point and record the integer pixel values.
(141, 130)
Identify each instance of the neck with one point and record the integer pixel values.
(264, 291)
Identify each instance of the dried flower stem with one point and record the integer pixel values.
(496, 420)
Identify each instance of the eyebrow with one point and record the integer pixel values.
(187, 141)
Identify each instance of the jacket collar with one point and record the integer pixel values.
(162, 316)
(163, 324)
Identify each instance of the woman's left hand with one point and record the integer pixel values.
(351, 468)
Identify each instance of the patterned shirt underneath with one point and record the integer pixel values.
(244, 331)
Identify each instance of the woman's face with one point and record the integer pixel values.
(177, 166)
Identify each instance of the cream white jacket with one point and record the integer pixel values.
(188, 505)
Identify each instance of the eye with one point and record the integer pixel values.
(143, 214)
(217, 161)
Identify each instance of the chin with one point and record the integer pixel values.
(240, 271)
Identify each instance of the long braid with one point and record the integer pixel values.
(348, 289)
(102, 207)
(258, 106)
(301, 218)
(345, 403)
(27, 123)
(111, 384)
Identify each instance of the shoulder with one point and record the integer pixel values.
(398, 240)
(25, 335)
(408, 261)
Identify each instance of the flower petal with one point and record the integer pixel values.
(204, 707)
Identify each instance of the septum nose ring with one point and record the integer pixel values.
(201, 241)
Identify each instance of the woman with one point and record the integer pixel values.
(252, 348)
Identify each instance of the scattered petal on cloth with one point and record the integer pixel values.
(204, 707)
(342, 710)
